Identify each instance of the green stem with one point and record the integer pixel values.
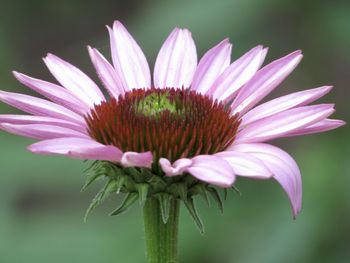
(161, 239)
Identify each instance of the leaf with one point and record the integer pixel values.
(182, 190)
(225, 193)
(129, 200)
(194, 214)
(236, 190)
(134, 173)
(202, 191)
(91, 166)
(143, 190)
(120, 183)
(146, 174)
(91, 178)
(110, 189)
(158, 185)
(179, 189)
(215, 195)
(103, 194)
(164, 200)
(94, 203)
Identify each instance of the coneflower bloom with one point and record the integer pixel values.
(200, 119)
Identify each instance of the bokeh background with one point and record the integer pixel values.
(41, 215)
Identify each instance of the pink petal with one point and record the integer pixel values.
(77, 148)
(283, 123)
(212, 170)
(29, 119)
(264, 81)
(40, 131)
(177, 168)
(144, 159)
(40, 107)
(282, 165)
(176, 61)
(129, 61)
(280, 104)
(207, 168)
(237, 74)
(212, 64)
(245, 164)
(321, 126)
(53, 92)
(106, 73)
(73, 79)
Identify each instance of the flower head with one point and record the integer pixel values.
(195, 124)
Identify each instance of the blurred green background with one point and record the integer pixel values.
(41, 215)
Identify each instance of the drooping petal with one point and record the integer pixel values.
(73, 79)
(264, 81)
(106, 73)
(321, 126)
(207, 168)
(53, 92)
(284, 123)
(211, 65)
(213, 170)
(245, 164)
(128, 59)
(282, 165)
(137, 159)
(283, 103)
(237, 74)
(176, 61)
(77, 148)
(177, 168)
(29, 119)
(41, 131)
(40, 107)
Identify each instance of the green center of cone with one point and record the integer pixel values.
(155, 103)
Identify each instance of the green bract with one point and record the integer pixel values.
(139, 184)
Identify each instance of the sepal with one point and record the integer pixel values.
(164, 200)
(129, 200)
(142, 183)
(215, 195)
(189, 203)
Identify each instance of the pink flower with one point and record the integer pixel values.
(197, 118)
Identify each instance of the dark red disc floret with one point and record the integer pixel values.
(200, 125)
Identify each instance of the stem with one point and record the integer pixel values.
(161, 239)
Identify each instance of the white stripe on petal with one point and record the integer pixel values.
(77, 148)
(237, 74)
(40, 107)
(106, 73)
(74, 80)
(53, 92)
(283, 123)
(264, 81)
(129, 61)
(213, 170)
(321, 126)
(283, 103)
(211, 65)
(29, 119)
(40, 131)
(176, 61)
(244, 164)
(285, 170)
